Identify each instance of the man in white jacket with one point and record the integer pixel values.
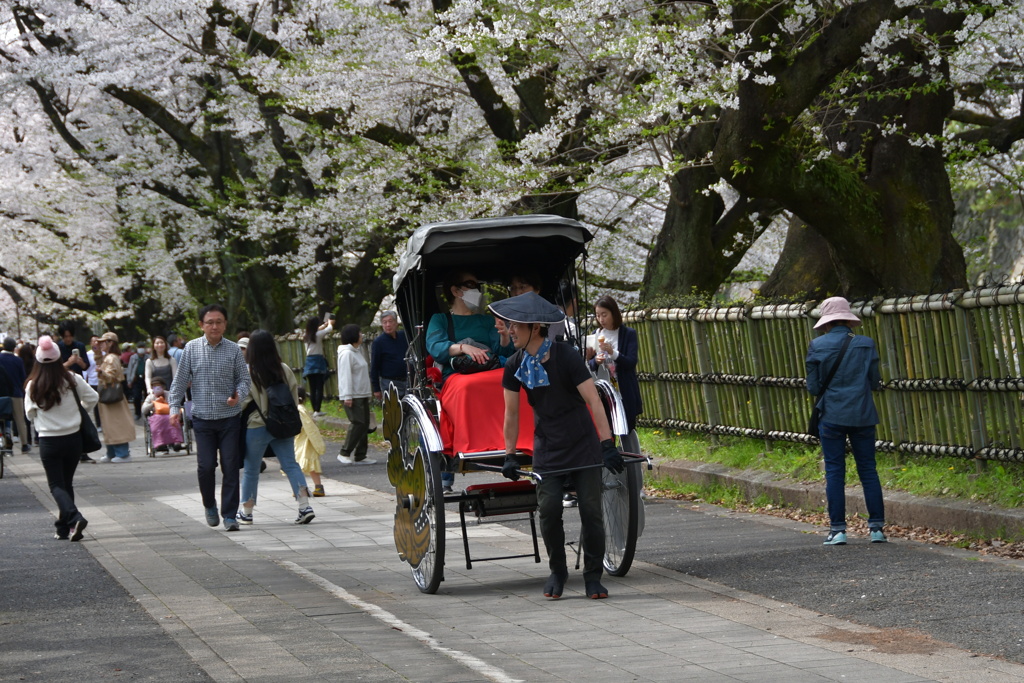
(354, 391)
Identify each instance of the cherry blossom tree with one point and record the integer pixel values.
(275, 154)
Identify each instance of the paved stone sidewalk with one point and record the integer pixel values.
(331, 601)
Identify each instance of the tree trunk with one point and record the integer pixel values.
(805, 268)
(883, 203)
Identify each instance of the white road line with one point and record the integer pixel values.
(478, 665)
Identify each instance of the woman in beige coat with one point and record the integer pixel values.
(116, 418)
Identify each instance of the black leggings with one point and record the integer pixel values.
(316, 390)
(59, 456)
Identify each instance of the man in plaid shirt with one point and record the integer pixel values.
(215, 369)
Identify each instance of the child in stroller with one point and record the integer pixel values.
(161, 432)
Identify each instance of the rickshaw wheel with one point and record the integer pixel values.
(430, 571)
(620, 499)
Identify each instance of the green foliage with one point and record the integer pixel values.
(715, 494)
(1000, 484)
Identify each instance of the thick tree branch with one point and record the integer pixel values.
(998, 135)
(189, 142)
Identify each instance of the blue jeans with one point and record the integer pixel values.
(833, 446)
(256, 441)
(117, 450)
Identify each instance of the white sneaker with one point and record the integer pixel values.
(345, 459)
(319, 414)
(126, 458)
(105, 458)
(366, 461)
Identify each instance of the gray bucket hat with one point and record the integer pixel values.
(528, 308)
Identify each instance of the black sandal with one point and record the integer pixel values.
(595, 591)
(555, 585)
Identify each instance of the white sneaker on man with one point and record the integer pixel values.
(345, 459)
(105, 458)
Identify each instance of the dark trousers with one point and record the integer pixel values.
(138, 394)
(96, 410)
(316, 390)
(59, 456)
(223, 436)
(359, 428)
(549, 505)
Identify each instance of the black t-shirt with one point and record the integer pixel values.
(564, 432)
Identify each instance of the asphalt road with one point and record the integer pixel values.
(956, 596)
(63, 617)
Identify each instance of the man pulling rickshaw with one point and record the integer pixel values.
(566, 409)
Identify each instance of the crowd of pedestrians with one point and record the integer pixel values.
(245, 403)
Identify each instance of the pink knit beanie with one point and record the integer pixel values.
(46, 350)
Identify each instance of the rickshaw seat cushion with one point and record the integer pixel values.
(473, 414)
(501, 498)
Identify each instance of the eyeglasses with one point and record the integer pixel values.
(470, 284)
(218, 322)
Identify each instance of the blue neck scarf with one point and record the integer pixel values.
(531, 373)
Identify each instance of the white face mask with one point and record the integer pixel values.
(473, 298)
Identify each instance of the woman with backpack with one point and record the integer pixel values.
(271, 416)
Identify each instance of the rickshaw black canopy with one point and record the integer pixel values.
(490, 248)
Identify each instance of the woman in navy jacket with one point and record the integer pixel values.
(847, 412)
(616, 348)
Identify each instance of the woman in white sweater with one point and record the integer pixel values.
(354, 391)
(50, 404)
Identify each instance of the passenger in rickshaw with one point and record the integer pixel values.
(452, 335)
(567, 408)
(449, 335)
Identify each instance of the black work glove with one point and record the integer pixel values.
(509, 469)
(612, 457)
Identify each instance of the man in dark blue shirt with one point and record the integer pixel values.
(75, 362)
(16, 371)
(74, 357)
(387, 357)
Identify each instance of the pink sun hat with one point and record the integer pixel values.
(836, 309)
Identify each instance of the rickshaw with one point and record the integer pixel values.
(424, 432)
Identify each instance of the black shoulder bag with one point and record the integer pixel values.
(812, 425)
(90, 435)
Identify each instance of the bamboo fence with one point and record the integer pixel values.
(952, 369)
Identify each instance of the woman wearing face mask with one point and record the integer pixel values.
(463, 293)
(157, 411)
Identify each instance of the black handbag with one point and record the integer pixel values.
(465, 365)
(812, 424)
(90, 435)
(112, 394)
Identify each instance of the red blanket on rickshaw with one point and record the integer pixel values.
(473, 414)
